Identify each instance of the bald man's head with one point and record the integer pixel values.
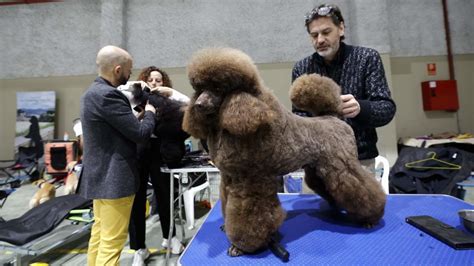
(114, 64)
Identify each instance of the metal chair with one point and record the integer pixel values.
(188, 197)
(25, 167)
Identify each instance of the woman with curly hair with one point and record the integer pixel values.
(155, 77)
(150, 160)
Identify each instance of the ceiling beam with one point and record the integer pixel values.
(24, 2)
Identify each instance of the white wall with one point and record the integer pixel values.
(411, 119)
(52, 46)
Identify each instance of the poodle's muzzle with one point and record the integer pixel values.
(207, 102)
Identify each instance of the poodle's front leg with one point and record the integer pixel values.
(223, 193)
(223, 190)
(253, 214)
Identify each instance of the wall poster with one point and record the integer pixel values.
(35, 120)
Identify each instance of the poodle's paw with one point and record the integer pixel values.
(222, 227)
(234, 251)
(369, 225)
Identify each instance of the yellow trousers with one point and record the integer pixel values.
(109, 231)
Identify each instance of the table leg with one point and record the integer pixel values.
(180, 206)
(170, 234)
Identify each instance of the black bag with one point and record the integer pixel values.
(40, 220)
(172, 152)
(430, 170)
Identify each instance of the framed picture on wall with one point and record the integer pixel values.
(35, 119)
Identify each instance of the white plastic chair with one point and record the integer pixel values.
(188, 197)
(386, 169)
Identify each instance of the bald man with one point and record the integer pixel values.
(110, 134)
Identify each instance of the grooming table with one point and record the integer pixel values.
(313, 235)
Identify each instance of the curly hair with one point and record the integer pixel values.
(145, 74)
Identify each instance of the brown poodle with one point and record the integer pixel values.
(253, 139)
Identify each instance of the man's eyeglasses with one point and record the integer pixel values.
(322, 11)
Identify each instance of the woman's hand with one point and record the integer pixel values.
(165, 91)
(143, 84)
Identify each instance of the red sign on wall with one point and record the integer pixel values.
(431, 67)
(440, 95)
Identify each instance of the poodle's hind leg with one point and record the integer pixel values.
(364, 199)
(356, 191)
(253, 214)
(317, 184)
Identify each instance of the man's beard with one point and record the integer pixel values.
(123, 80)
(330, 51)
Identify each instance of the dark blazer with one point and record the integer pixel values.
(110, 133)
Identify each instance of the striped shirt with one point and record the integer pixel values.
(358, 71)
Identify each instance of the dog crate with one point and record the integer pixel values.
(58, 154)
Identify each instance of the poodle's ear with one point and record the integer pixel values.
(242, 114)
(194, 123)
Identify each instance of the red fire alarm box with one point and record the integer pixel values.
(440, 95)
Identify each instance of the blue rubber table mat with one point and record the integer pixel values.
(315, 235)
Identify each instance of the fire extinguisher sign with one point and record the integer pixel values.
(431, 67)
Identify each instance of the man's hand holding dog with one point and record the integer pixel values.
(149, 107)
(350, 106)
(142, 83)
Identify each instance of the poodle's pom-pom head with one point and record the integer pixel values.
(223, 70)
(316, 94)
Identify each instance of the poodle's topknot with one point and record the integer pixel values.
(316, 94)
(210, 68)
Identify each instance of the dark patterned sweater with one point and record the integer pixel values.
(359, 71)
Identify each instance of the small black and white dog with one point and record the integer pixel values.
(136, 95)
(169, 118)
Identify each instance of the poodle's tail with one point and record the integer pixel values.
(317, 95)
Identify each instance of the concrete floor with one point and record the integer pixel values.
(75, 252)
